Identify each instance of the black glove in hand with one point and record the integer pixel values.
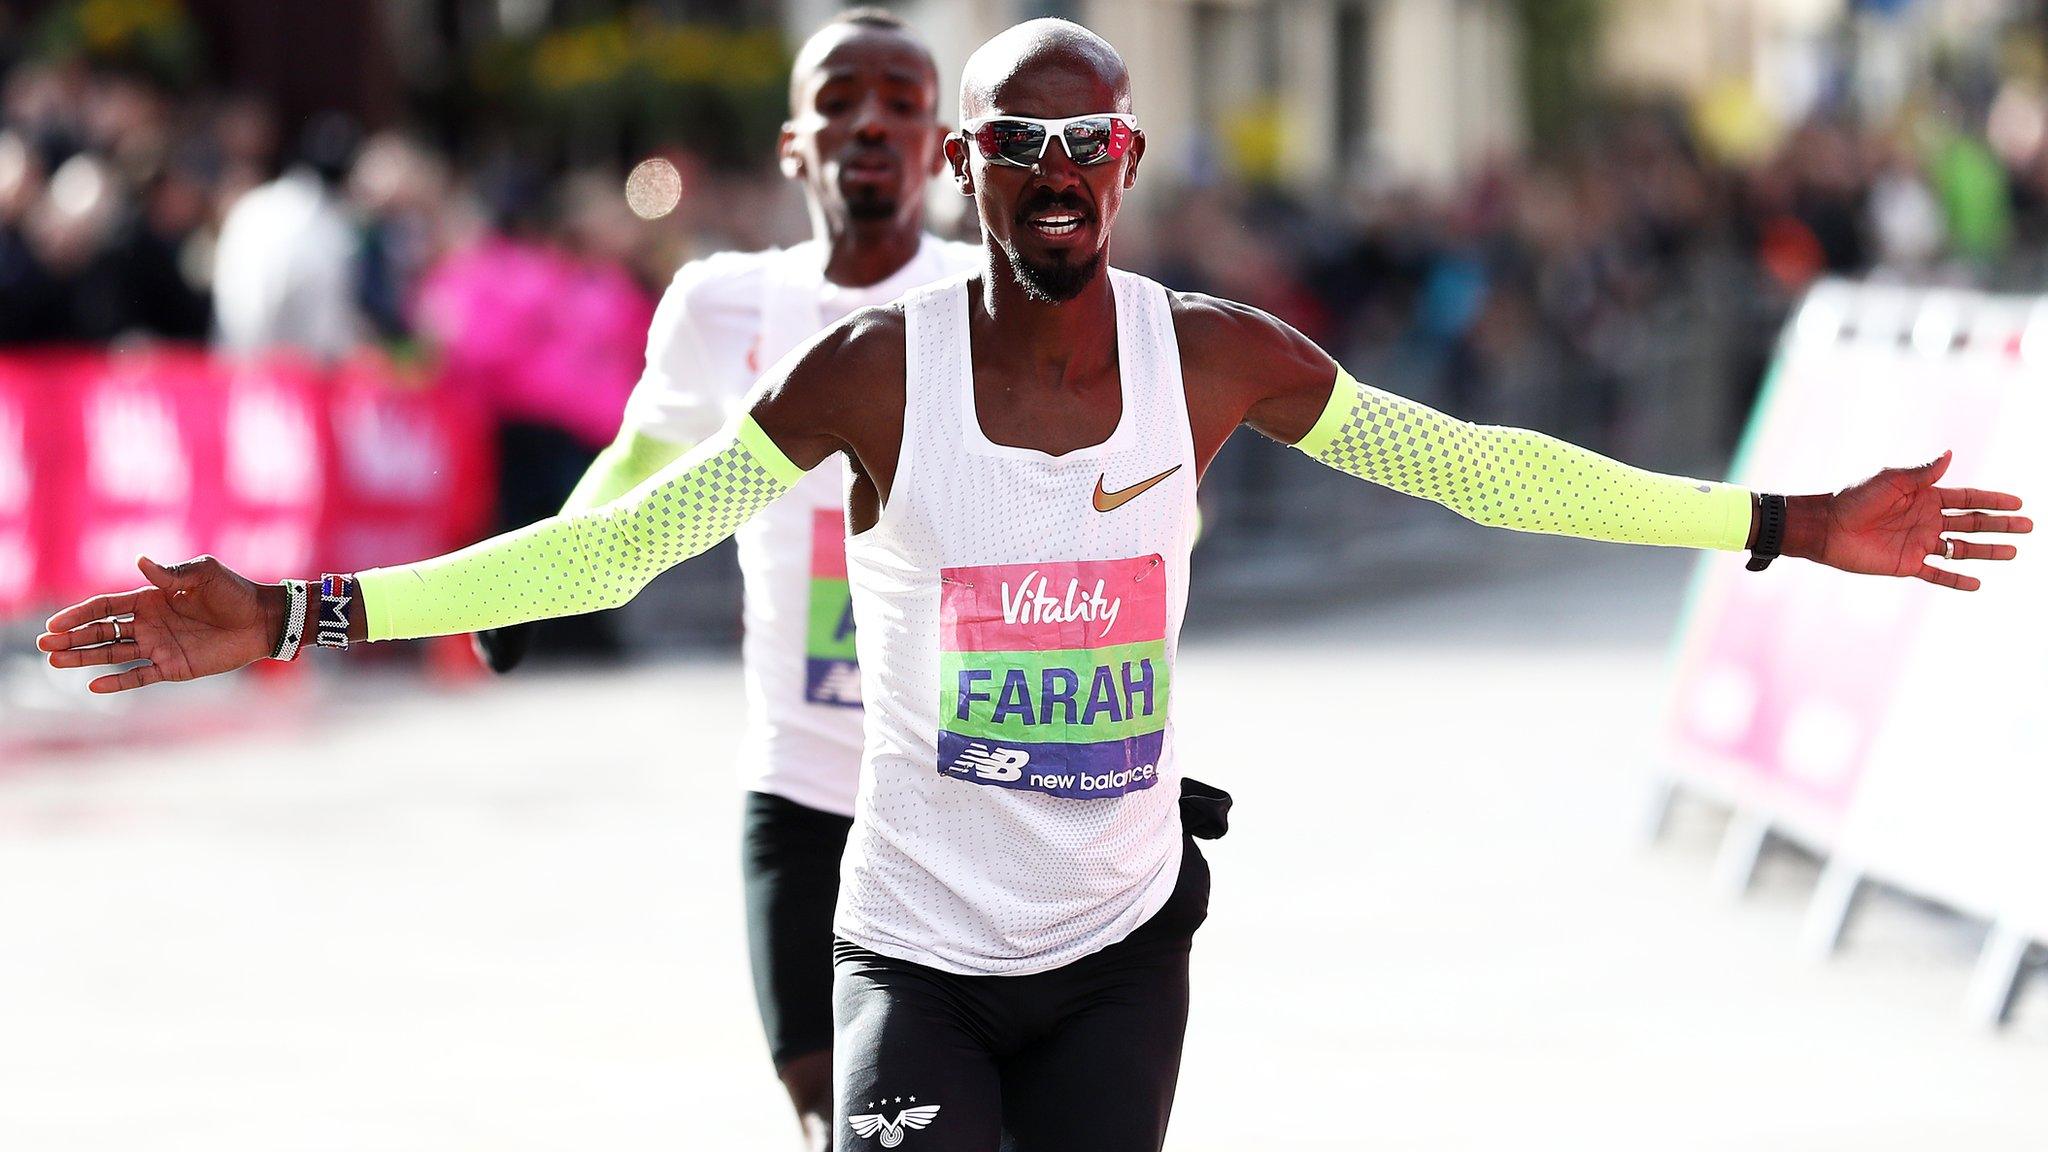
(501, 649)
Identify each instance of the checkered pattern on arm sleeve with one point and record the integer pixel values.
(1515, 478)
(591, 560)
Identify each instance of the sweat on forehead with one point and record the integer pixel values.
(1048, 68)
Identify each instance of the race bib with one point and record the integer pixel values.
(831, 669)
(1053, 677)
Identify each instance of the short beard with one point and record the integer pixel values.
(870, 206)
(1051, 283)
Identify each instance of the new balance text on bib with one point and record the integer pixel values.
(831, 670)
(1053, 677)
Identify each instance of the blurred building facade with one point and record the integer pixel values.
(1585, 216)
(1302, 93)
(1312, 94)
(1789, 58)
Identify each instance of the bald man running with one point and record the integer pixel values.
(1018, 900)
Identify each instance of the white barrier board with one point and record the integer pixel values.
(1785, 679)
(1954, 799)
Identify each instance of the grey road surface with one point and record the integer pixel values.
(507, 917)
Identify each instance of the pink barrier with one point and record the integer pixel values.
(278, 468)
(21, 522)
(1791, 685)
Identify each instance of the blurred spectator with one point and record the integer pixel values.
(542, 318)
(399, 190)
(97, 207)
(285, 271)
(31, 307)
(1828, 193)
(245, 136)
(1971, 184)
(1565, 290)
(1906, 219)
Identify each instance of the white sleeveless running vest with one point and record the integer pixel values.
(803, 687)
(804, 730)
(1019, 614)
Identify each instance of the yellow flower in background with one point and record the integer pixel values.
(667, 53)
(585, 56)
(1253, 139)
(110, 24)
(681, 53)
(1734, 124)
(695, 54)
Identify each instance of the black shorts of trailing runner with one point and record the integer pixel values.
(1083, 1058)
(789, 858)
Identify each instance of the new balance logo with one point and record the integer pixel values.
(891, 1131)
(991, 763)
(839, 686)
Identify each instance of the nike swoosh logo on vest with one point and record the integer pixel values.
(1111, 501)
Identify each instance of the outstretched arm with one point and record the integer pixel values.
(1515, 478)
(586, 561)
(676, 403)
(626, 463)
(1530, 482)
(201, 618)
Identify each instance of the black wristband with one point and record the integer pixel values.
(1770, 532)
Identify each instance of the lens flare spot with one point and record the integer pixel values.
(654, 189)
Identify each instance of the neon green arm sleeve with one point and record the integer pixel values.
(1515, 478)
(620, 468)
(595, 559)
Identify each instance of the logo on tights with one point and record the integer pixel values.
(891, 1131)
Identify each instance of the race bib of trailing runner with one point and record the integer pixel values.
(1053, 677)
(831, 670)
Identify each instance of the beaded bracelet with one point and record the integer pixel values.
(337, 593)
(294, 621)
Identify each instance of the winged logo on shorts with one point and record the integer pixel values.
(892, 1130)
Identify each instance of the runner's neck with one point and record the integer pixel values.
(861, 254)
(1060, 346)
(1045, 376)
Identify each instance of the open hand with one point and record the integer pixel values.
(193, 619)
(1892, 523)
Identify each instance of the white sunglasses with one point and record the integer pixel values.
(1021, 141)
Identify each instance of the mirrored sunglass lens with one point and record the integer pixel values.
(1013, 140)
(1088, 140)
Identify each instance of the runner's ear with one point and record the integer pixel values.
(956, 154)
(787, 158)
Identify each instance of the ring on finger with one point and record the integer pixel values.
(1948, 548)
(117, 630)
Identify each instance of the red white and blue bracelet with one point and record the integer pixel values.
(337, 594)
